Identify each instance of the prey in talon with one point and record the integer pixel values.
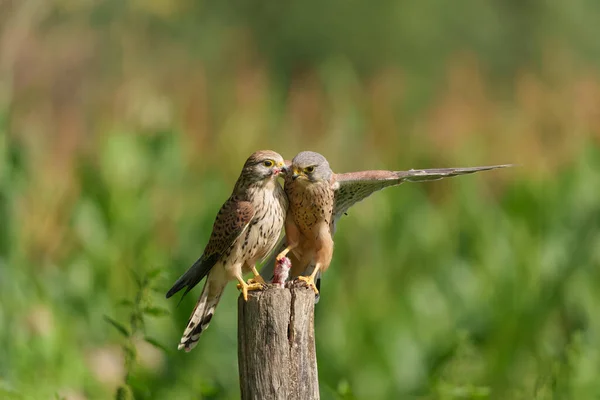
(245, 231)
(282, 271)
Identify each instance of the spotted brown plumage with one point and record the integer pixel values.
(347, 189)
(310, 204)
(245, 231)
(309, 186)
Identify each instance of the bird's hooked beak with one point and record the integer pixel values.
(281, 168)
(296, 173)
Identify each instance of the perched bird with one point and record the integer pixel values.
(309, 221)
(245, 231)
(318, 198)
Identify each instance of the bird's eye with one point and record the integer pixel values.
(268, 163)
(309, 169)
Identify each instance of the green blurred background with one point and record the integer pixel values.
(124, 124)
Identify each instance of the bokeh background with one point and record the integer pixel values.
(124, 124)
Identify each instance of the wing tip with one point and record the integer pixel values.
(506, 165)
(491, 167)
(176, 288)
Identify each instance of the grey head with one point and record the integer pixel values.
(311, 166)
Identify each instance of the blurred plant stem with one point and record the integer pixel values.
(140, 307)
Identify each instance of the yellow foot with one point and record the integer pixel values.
(282, 255)
(310, 282)
(257, 279)
(245, 288)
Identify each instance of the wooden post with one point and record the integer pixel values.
(276, 345)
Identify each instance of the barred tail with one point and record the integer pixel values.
(201, 316)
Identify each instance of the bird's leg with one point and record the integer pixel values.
(310, 280)
(257, 278)
(290, 247)
(245, 287)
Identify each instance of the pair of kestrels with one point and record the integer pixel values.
(248, 225)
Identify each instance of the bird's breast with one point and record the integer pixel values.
(262, 234)
(310, 204)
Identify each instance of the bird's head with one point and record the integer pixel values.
(310, 166)
(263, 165)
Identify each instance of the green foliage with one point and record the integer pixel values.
(474, 296)
(124, 393)
(139, 307)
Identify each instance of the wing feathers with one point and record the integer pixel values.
(420, 175)
(353, 187)
(194, 274)
(231, 222)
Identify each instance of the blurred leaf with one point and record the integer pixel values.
(158, 290)
(344, 390)
(154, 273)
(137, 321)
(139, 281)
(130, 351)
(156, 311)
(156, 344)
(125, 302)
(139, 387)
(124, 392)
(118, 326)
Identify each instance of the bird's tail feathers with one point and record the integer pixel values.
(318, 286)
(192, 276)
(201, 316)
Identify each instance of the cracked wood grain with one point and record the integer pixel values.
(276, 345)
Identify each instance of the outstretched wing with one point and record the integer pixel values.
(353, 187)
(233, 219)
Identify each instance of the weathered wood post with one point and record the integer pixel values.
(276, 345)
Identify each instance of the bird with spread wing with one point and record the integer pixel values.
(318, 198)
(245, 231)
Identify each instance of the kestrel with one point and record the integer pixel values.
(245, 231)
(318, 198)
(309, 220)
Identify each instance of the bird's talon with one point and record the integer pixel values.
(245, 288)
(283, 255)
(257, 279)
(310, 282)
